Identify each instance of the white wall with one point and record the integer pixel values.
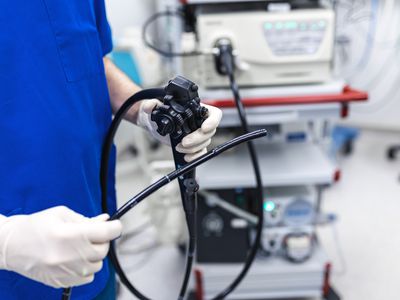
(375, 69)
(125, 13)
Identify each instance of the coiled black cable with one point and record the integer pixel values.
(164, 181)
(162, 52)
(104, 169)
(227, 61)
(191, 224)
(150, 94)
(108, 143)
(133, 202)
(170, 177)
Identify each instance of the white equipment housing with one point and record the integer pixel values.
(273, 48)
(289, 206)
(269, 278)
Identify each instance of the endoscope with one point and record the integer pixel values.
(179, 115)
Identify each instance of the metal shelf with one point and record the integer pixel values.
(346, 96)
(282, 164)
(274, 105)
(269, 278)
(267, 115)
(328, 88)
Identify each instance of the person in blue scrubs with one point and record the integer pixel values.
(57, 95)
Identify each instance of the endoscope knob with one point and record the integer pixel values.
(165, 126)
(165, 123)
(203, 112)
(194, 88)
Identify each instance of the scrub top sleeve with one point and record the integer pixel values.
(103, 27)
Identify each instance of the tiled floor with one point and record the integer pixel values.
(367, 201)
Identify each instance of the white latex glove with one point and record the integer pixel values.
(57, 246)
(193, 145)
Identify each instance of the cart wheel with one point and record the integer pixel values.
(392, 153)
(331, 295)
(348, 148)
(191, 296)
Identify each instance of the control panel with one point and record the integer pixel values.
(286, 38)
(271, 48)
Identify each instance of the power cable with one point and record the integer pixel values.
(226, 65)
(151, 45)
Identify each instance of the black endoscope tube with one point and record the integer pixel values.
(147, 192)
(227, 61)
(108, 143)
(139, 96)
(142, 95)
(148, 94)
(170, 177)
(188, 189)
(185, 169)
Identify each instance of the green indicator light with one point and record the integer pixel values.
(268, 26)
(322, 24)
(279, 25)
(291, 25)
(269, 206)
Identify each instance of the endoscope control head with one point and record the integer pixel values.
(181, 112)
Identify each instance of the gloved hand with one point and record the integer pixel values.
(193, 145)
(57, 246)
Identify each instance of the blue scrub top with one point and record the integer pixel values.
(54, 113)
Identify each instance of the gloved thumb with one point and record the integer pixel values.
(149, 105)
(102, 232)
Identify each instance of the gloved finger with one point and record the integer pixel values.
(102, 232)
(57, 284)
(67, 279)
(66, 214)
(91, 269)
(148, 105)
(101, 218)
(213, 120)
(194, 149)
(191, 157)
(196, 138)
(84, 280)
(98, 252)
